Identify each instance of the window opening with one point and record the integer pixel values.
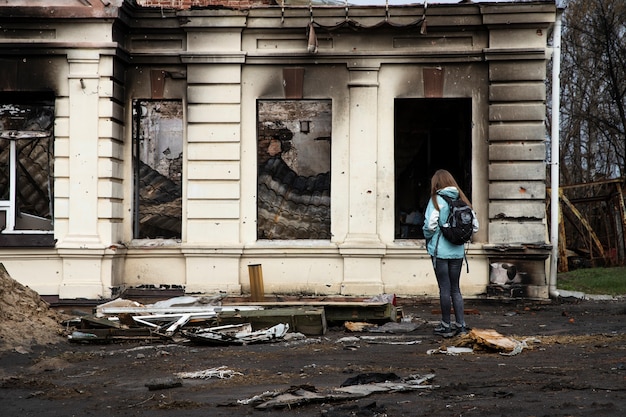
(430, 134)
(293, 184)
(26, 165)
(157, 159)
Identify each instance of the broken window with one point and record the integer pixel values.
(293, 188)
(26, 169)
(430, 134)
(157, 159)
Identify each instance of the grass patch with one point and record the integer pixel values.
(610, 281)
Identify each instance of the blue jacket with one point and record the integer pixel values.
(432, 233)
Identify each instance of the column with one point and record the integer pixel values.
(362, 249)
(81, 248)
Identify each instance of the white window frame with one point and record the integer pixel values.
(9, 206)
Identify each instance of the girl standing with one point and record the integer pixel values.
(447, 257)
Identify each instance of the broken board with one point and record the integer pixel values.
(492, 339)
(338, 312)
(306, 320)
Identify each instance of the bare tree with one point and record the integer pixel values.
(593, 81)
(593, 128)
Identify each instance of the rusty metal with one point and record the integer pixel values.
(293, 82)
(157, 83)
(257, 292)
(433, 79)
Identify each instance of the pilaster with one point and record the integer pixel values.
(81, 249)
(362, 249)
(83, 88)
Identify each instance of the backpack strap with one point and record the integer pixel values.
(465, 248)
(465, 257)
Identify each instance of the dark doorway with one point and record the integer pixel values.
(430, 134)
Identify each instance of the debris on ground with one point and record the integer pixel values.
(450, 350)
(354, 388)
(207, 320)
(485, 340)
(97, 379)
(178, 327)
(352, 326)
(389, 327)
(220, 372)
(236, 334)
(26, 319)
(352, 342)
(371, 409)
(164, 383)
(197, 319)
(491, 339)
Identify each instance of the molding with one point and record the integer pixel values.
(508, 54)
(213, 58)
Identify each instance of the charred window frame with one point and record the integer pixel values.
(27, 170)
(293, 159)
(430, 134)
(157, 165)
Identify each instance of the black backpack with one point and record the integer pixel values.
(459, 227)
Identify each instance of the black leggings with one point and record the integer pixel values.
(448, 273)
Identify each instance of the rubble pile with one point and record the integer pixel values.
(25, 319)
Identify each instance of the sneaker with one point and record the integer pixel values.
(444, 331)
(462, 330)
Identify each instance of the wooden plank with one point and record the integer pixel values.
(91, 321)
(622, 212)
(106, 335)
(563, 265)
(300, 303)
(375, 313)
(340, 311)
(585, 223)
(306, 320)
(172, 310)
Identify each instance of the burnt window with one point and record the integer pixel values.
(26, 170)
(293, 156)
(157, 161)
(430, 134)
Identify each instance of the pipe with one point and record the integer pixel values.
(257, 292)
(554, 171)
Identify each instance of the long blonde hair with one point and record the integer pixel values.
(442, 179)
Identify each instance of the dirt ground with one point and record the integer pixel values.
(574, 365)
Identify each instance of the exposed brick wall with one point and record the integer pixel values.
(186, 4)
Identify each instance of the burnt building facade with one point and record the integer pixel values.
(153, 143)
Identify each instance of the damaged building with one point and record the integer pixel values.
(176, 143)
